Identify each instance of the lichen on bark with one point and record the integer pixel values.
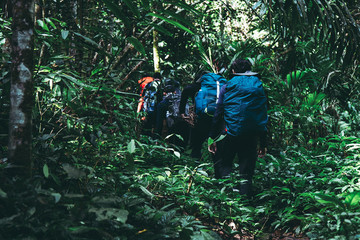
(21, 92)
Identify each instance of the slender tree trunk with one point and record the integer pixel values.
(21, 92)
(156, 51)
(156, 56)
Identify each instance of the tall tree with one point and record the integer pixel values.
(21, 92)
(156, 51)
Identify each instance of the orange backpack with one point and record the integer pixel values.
(143, 82)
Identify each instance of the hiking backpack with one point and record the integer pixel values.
(207, 97)
(143, 82)
(245, 109)
(173, 112)
(151, 96)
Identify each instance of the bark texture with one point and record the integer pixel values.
(156, 51)
(21, 92)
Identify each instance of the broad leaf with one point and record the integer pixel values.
(73, 172)
(147, 192)
(131, 146)
(43, 25)
(353, 199)
(116, 9)
(328, 200)
(132, 7)
(119, 215)
(176, 24)
(46, 170)
(57, 197)
(64, 34)
(137, 44)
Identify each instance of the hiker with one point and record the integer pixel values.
(204, 92)
(152, 95)
(171, 93)
(189, 92)
(187, 112)
(241, 115)
(143, 81)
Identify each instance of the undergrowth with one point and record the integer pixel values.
(148, 190)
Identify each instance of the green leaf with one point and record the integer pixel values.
(219, 138)
(73, 172)
(116, 9)
(202, 172)
(119, 215)
(328, 200)
(57, 197)
(87, 40)
(64, 34)
(176, 24)
(159, 28)
(145, 4)
(77, 82)
(314, 99)
(46, 170)
(352, 199)
(133, 8)
(263, 10)
(147, 192)
(210, 141)
(131, 146)
(2, 194)
(257, 4)
(43, 25)
(137, 44)
(50, 22)
(185, 6)
(177, 17)
(176, 135)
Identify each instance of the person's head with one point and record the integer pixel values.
(198, 76)
(157, 75)
(240, 66)
(145, 74)
(170, 85)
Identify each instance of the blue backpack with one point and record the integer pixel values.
(245, 109)
(206, 98)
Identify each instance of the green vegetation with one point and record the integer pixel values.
(95, 176)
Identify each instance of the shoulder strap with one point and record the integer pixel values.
(247, 73)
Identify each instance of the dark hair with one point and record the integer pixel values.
(157, 75)
(241, 65)
(170, 85)
(145, 74)
(198, 75)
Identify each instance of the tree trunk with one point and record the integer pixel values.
(21, 92)
(156, 51)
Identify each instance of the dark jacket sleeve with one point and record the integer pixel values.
(188, 92)
(218, 120)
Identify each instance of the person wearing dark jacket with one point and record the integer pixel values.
(200, 129)
(242, 121)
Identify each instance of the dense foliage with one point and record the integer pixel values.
(96, 177)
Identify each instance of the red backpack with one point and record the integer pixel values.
(143, 82)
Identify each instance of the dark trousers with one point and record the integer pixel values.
(161, 109)
(245, 147)
(179, 126)
(149, 123)
(199, 134)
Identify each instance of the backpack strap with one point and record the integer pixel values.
(247, 73)
(217, 90)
